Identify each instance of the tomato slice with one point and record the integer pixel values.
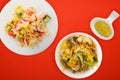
(42, 33)
(11, 33)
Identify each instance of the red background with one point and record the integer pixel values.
(73, 15)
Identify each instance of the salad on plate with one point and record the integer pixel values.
(27, 26)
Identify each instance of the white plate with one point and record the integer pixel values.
(78, 74)
(39, 5)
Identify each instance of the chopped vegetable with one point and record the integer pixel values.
(20, 36)
(19, 15)
(8, 28)
(47, 18)
(37, 34)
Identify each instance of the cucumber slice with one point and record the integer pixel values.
(8, 28)
(47, 18)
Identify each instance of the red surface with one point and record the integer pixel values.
(73, 15)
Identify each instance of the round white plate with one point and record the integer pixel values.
(39, 5)
(78, 74)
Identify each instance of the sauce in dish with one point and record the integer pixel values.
(102, 28)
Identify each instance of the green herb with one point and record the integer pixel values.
(19, 15)
(84, 57)
(95, 59)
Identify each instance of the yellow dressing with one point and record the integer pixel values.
(103, 28)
